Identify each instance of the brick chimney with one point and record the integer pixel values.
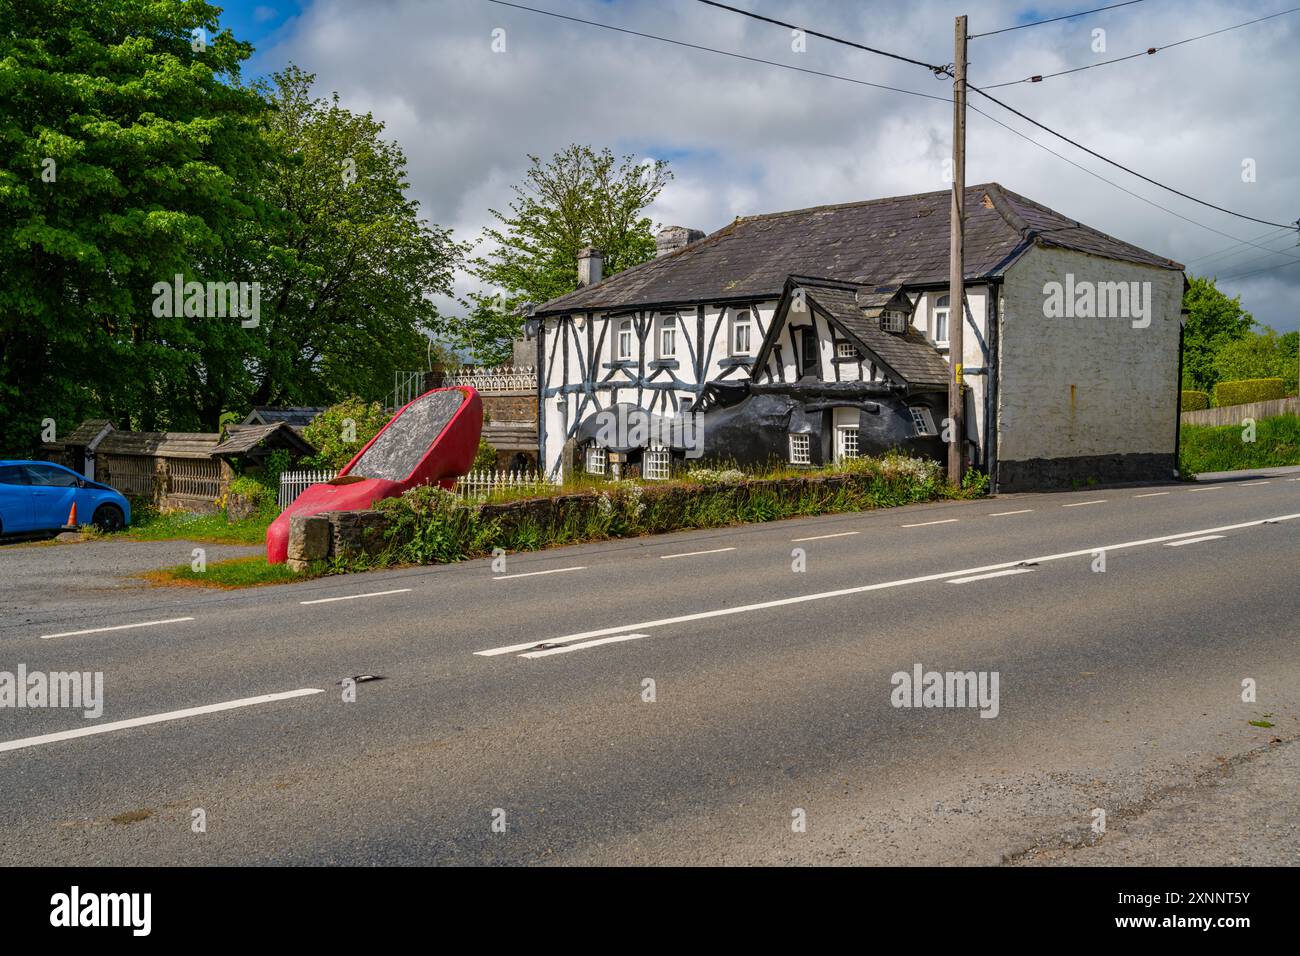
(672, 238)
(591, 262)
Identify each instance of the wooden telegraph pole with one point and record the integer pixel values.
(956, 267)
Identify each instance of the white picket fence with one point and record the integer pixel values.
(294, 483)
(479, 484)
(473, 487)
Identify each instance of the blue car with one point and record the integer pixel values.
(39, 495)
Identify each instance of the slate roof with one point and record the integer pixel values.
(297, 415)
(160, 444)
(878, 243)
(242, 439)
(88, 431)
(908, 353)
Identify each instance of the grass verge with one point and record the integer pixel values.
(149, 524)
(235, 573)
(1207, 448)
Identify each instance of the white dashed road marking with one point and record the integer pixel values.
(533, 574)
(620, 629)
(691, 554)
(1001, 514)
(1080, 504)
(926, 523)
(1152, 494)
(152, 719)
(119, 627)
(353, 597)
(819, 537)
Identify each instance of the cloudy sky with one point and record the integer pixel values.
(745, 137)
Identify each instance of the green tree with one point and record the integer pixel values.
(1262, 354)
(347, 264)
(1213, 320)
(127, 144)
(579, 197)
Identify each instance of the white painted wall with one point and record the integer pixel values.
(1072, 387)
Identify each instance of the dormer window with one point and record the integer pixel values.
(893, 320)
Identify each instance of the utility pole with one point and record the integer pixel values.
(956, 266)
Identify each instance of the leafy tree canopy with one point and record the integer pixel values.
(1213, 321)
(579, 197)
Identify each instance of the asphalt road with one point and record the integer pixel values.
(1118, 690)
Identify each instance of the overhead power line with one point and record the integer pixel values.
(1111, 182)
(1132, 172)
(1039, 23)
(947, 71)
(1243, 275)
(928, 96)
(1149, 51)
(938, 70)
(729, 53)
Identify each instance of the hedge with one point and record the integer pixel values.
(1194, 401)
(1249, 390)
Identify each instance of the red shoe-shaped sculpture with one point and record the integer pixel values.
(430, 441)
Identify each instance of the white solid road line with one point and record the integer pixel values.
(153, 719)
(1207, 537)
(533, 574)
(568, 648)
(819, 537)
(1001, 514)
(1080, 504)
(691, 554)
(119, 627)
(985, 577)
(1152, 494)
(353, 597)
(926, 523)
(862, 589)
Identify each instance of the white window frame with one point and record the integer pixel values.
(596, 460)
(668, 334)
(800, 448)
(846, 435)
(846, 350)
(922, 421)
(893, 320)
(941, 309)
(742, 321)
(626, 337)
(656, 463)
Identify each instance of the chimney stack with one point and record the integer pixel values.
(672, 238)
(591, 262)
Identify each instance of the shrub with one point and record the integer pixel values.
(1194, 401)
(342, 430)
(485, 459)
(1249, 390)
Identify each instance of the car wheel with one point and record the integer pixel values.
(109, 518)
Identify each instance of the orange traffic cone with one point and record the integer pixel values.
(72, 516)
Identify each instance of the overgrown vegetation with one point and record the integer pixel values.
(1206, 448)
(341, 431)
(150, 524)
(432, 525)
(235, 573)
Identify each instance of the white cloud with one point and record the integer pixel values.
(747, 138)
